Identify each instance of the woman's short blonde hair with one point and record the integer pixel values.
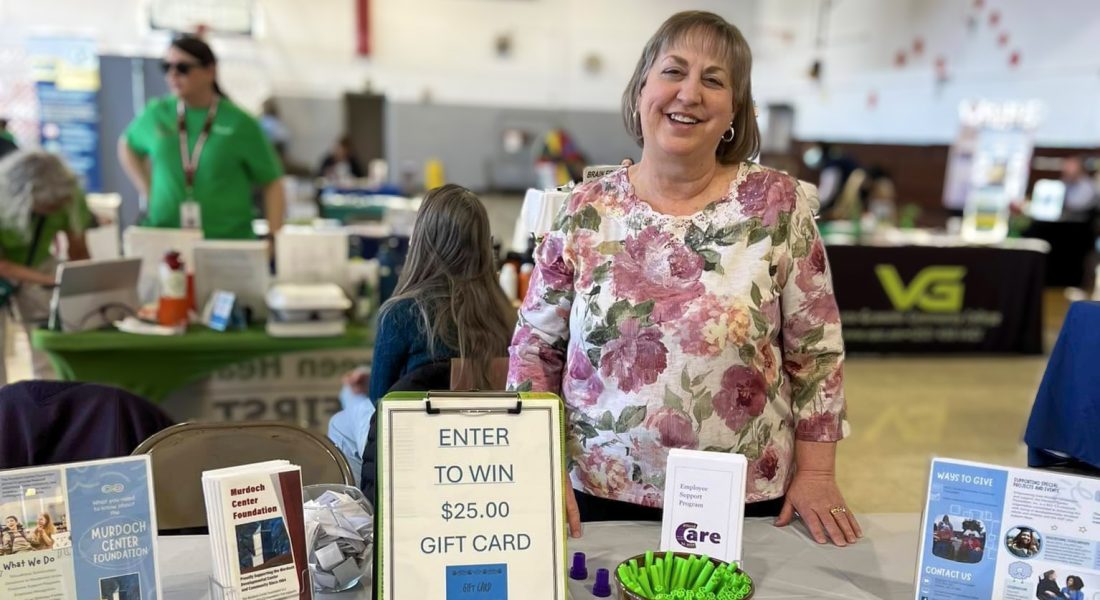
(725, 42)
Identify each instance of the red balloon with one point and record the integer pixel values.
(1002, 39)
(994, 18)
(899, 59)
(1014, 58)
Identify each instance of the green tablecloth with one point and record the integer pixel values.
(154, 366)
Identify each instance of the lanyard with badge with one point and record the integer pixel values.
(190, 214)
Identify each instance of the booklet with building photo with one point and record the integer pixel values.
(79, 530)
(1011, 534)
(257, 531)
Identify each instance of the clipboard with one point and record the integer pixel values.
(471, 502)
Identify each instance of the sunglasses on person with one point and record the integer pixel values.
(183, 68)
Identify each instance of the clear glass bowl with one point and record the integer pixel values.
(321, 580)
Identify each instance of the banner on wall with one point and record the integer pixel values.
(65, 71)
(923, 299)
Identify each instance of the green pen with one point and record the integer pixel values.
(655, 579)
(643, 579)
(669, 558)
(698, 568)
(704, 575)
(681, 581)
(693, 570)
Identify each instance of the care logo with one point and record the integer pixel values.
(688, 534)
(935, 289)
(116, 488)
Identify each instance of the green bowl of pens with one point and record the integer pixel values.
(681, 576)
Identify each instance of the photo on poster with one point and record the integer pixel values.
(958, 539)
(1023, 542)
(120, 587)
(263, 545)
(1056, 584)
(33, 514)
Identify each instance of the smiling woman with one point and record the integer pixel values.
(723, 94)
(686, 302)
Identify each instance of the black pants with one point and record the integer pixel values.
(594, 508)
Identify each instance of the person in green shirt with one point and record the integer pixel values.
(39, 198)
(5, 133)
(226, 156)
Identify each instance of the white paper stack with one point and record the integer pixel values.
(257, 532)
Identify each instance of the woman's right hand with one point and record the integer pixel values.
(357, 379)
(572, 513)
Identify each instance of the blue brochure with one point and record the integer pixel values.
(79, 530)
(1011, 534)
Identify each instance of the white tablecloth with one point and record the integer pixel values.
(785, 563)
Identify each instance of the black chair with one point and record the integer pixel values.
(49, 422)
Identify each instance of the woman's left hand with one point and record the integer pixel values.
(820, 505)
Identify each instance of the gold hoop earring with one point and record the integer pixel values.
(732, 132)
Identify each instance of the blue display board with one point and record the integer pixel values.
(66, 76)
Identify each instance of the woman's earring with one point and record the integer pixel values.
(732, 132)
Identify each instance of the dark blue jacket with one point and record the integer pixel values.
(401, 347)
(49, 422)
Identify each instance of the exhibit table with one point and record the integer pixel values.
(941, 296)
(153, 366)
(785, 562)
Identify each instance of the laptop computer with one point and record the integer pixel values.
(91, 294)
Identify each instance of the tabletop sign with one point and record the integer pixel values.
(1010, 534)
(471, 497)
(704, 503)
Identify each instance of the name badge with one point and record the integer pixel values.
(190, 215)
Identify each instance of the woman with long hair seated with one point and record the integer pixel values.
(448, 304)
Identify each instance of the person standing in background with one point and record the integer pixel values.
(1081, 197)
(340, 165)
(5, 133)
(196, 156)
(39, 198)
(7, 140)
(274, 128)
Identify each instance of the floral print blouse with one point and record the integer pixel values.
(716, 331)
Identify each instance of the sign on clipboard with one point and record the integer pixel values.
(471, 502)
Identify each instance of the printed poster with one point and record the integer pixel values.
(1012, 534)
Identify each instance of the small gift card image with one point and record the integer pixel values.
(704, 503)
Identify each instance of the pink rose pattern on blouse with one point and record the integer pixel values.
(713, 332)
